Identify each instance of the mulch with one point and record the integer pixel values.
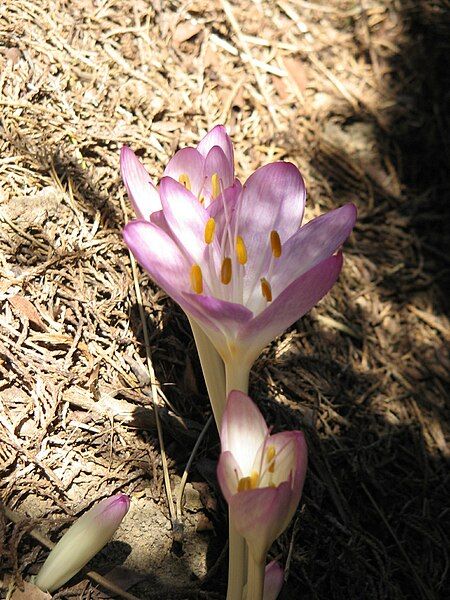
(354, 94)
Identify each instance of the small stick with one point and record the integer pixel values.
(188, 466)
(262, 87)
(153, 384)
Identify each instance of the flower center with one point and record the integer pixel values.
(224, 278)
(252, 481)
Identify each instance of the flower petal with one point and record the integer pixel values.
(187, 161)
(161, 257)
(217, 137)
(228, 474)
(311, 244)
(273, 198)
(217, 162)
(226, 315)
(243, 430)
(142, 193)
(259, 516)
(291, 457)
(273, 581)
(186, 218)
(299, 297)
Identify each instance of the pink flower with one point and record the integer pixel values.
(261, 475)
(236, 259)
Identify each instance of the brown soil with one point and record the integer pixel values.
(354, 94)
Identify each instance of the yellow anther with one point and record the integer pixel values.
(215, 185)
(270, 458)
(254, 478)
(241, 250)
(210, 228)
(226, 271)
(244, 484)
(201, 199)
(184, 179)
(275, 244)
(196, 279)
(266, 290)
(248, 483)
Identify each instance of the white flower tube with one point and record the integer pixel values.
(82, 541)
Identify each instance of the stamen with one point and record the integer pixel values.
(270, 458)
(266, 290)
(210, 228)
(275, 244)
(248, 483)
(215, 185)
(241, 250)
(196, 279)
(254, 478)
(226, 271)
(184, 179)
(244, 484)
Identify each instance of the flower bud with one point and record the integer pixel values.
(82, 541)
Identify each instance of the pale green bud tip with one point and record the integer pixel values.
(82, 541)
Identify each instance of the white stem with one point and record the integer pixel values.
(255, 579)
(237, 376)
(213, 371)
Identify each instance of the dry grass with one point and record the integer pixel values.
(351, 92)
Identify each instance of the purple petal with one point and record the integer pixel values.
(227, 314)
(243, 430)
(273, 198)
(217, 162)
(190, 162)
(273, 581)
(159, 220)
(311, 244)
(161, 257)
(259, 516)
(186, 218)
(299, 297)
(217, 137)
(141, 191)
(216, 209)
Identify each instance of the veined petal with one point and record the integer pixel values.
(217, 162)
(273, 581)
(158, 219)
(228, 474)
(291, 457)
(226, 318)
(243, 430)
(273, 199)
(224, 206)
(311, 244)
(143, 194)
(258, 516)
(187, 161)
(299, 297)
(165, 262)
(186, 218)
(217, 137)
